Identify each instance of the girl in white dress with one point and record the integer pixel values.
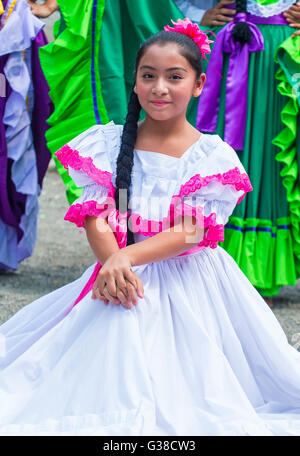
(168, 337)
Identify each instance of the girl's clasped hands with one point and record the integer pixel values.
(117, 283)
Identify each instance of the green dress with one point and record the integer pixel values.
(89, 68)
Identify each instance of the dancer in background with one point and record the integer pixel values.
(24, 108)
(263, 234)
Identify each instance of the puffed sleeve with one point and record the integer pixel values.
(212, 194)
(90, 159)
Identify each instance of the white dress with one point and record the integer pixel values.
(201, 354)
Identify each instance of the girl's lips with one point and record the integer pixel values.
(160, 103)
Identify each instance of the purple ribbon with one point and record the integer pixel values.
(278, 19)
(236, 84)
(41, 109)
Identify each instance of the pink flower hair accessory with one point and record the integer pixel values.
(187, 27)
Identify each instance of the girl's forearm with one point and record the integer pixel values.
(164, 245)
(52, 5)
(101, 238)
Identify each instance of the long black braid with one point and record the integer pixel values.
(241, 31)
(189, 49)
(125, 159)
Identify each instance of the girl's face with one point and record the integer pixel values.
(165, 82)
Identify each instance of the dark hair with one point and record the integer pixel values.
(241, 31)
(189, 50)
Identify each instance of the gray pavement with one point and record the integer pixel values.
(49, 22)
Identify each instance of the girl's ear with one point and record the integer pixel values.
(134, 89)
(199, 85)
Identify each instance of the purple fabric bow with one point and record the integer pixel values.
(236, 84)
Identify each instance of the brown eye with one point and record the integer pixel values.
(147, 76)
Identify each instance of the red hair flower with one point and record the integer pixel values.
(187, 27)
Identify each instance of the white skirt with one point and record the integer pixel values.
(201, 354)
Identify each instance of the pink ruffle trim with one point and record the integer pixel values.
(77, 212)
(231, 177)
(71, 158)
(214, 234)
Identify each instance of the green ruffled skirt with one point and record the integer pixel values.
(70, 64)
(89, 68)
(262, 234)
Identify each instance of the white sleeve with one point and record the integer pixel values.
(215, 199)
(91, 160)
(211, 205)
(213, 185)
(91, 156)
(94, 201)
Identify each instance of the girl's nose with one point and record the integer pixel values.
(159, 89)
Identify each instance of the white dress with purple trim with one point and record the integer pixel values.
(201, 354)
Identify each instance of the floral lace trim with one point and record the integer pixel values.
(231, 177)
(77, 213)
(255, 8)
(71, 158)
